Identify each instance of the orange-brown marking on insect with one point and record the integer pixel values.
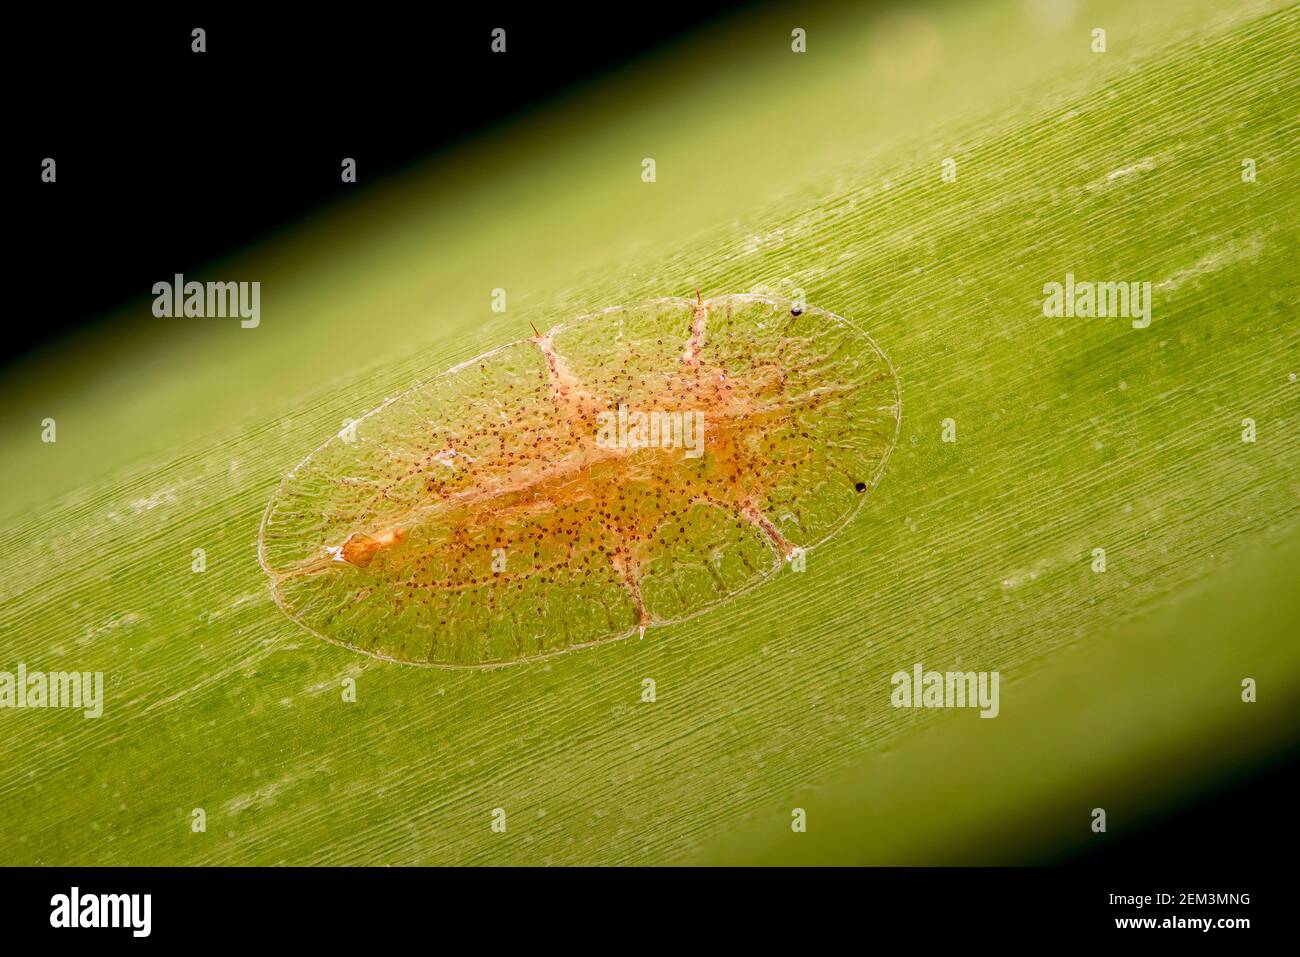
(763, 523)
(567, 509)
(578, 405)
(360, 548)
(586, 471)
(691, 356)
(359, 551)
(631, 578)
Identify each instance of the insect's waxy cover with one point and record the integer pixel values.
(609, 474)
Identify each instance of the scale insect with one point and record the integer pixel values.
(604, 476)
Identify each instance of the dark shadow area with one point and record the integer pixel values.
(167, 158)
(1227, 825)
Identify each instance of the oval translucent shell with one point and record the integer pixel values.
(554, 493)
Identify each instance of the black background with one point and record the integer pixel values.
(379, 910)
(167, 158)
